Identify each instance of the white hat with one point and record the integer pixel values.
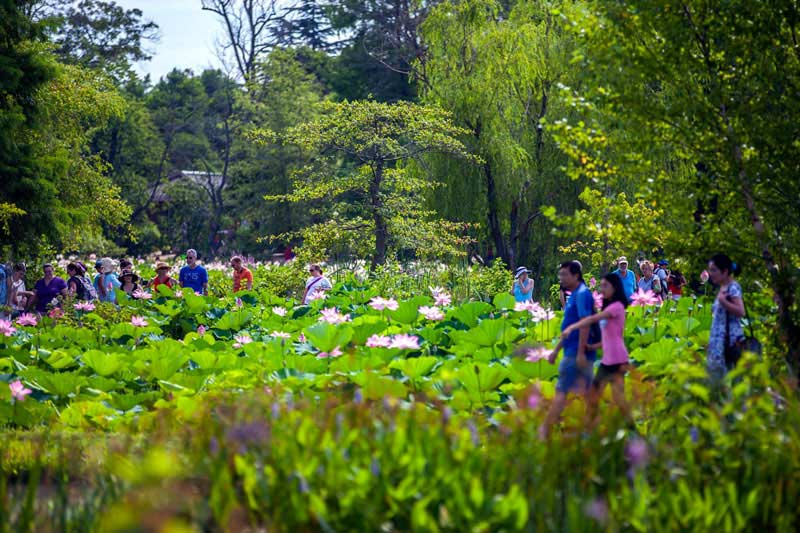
(520, 271)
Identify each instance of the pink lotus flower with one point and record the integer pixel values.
(18, 390)
(239, 302)
(55, 313)
(139, 294)
(84, 306)
(440, 296)
(704, 275)
(405, 342)
(6, 328)
(332, 316)
(644, 298)
(139, 321)
(379, 304)
(281, 334)
(379, 341)
(241, 340)
(317, 295)
(432, 313)
(301, 338)
(534, 355)
(537, 312)
(598, 300)
(336, 352)
(27, 319)
(280, 311)
(201, 330)
(592, 282)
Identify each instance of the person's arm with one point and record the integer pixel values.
(732, 304)
(31, 302)
(554, 355)
(181, 278)
(101, 286)
(250, 282)
(527, 288)
(586, 322)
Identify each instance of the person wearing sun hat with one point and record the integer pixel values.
(130, 282)
(523, 285)
(627, 276)
(106, 281)
(162, 277)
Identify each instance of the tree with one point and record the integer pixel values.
(496, 70)
(308, 23)
(252, 29)
(718, 82)
(102, 35)
(378, 139)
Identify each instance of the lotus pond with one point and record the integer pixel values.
(182, 412)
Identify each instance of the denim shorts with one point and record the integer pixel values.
(572, 378)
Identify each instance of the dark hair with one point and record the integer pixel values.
(574, 268)
(124, 263)
(20, 267)
(73, 267)
(619, 290)
(47, 265)
(725, 263)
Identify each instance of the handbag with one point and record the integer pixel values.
(733, 350)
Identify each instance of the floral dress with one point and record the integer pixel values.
(715, 353)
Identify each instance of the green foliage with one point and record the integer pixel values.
(377, 139)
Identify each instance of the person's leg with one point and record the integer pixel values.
(559, 401)
(593, 397)
(618, 395)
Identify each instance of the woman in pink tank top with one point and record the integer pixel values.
(614, 363)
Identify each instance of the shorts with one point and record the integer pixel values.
(606, 373)
(572, 378)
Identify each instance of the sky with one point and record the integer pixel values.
(187, 36)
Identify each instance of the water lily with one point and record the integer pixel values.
(379, 341)
(280, 311)
(431, 313)
(84, 306)
(333, 316)
(644, 298)
(281, 335)
(533, 400)
(18, 390)
(405, 342)
(440, 296)
(27, 319)
(55, 313)
(534, 355)
(704, 275)
(201, 330)
(317, 295)
(140, 294)
(139, 321)
(336, 352)
(241, 340)
(379, 304)
(6, 328)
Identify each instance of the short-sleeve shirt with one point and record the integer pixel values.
(193, 278)
(715, 353)
(614, 351)
(628, 282)
(112, 283)
(579, 305)
(245, 275)
(314, 284)
(3, 285)
(646, 284)
(46, 293)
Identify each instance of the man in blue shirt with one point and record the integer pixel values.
(575, 370)
(627, 276)
(193, 276)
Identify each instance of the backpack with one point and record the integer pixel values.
(89, 292)
(662, 282)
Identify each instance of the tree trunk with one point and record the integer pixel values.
(376, 203)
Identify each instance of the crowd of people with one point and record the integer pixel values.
(585, 329)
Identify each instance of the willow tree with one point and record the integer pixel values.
(358, 181)
(497, 69)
